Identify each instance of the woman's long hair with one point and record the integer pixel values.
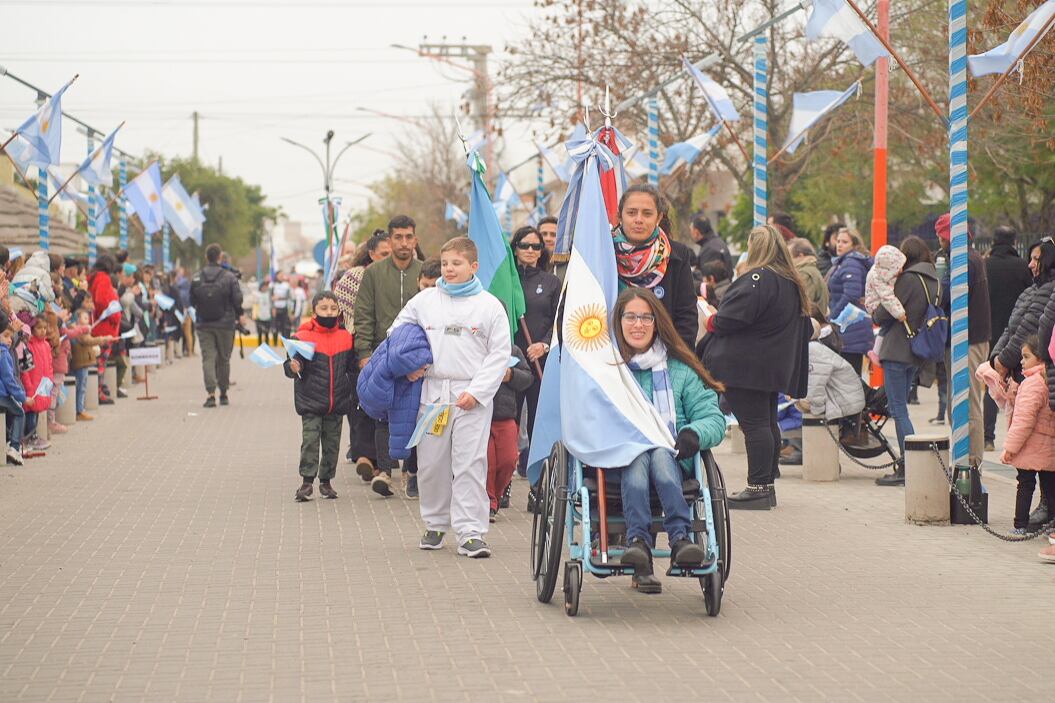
(766, 249)
(916, 251)
(1046, 267)
(664, 328)
(543, 259)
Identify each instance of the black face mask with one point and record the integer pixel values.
(327, 322)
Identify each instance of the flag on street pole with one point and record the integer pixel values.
(456, 215)
(498, 271)
(95, 169)
(836, 19)
(554, 161)
(809, 108)
(506, 194)
(196, 235)
(179, 209)
(43, 131)
(1001, 58)
(719, 100)
(688, 151)
(144, 195)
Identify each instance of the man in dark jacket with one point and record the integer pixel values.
(1008, 275)
(979, 332)
(217, 302)
(711, 246)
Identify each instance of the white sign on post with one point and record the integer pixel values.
(144, 356)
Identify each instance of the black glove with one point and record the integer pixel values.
(687, 445)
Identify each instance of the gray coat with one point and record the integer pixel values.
(506, 400)
(834, 389)
(896, 345)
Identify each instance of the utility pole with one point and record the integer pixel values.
(194, 116)
(879, 168)
(477, 54)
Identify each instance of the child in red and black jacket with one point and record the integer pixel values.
(322, 391)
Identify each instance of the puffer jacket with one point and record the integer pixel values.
(102, 291)
(1025, 321)
(846, 284)
(506, 402)
(42, 368)
(835, 389)
(10, 383)
(385, 392)
(325, 383)
(1030, 441)
(31, 287)
(1044, 331)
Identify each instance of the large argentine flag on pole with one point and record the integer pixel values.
(144, 194)
(999, 59)
(810, 108)
(605, 419)
(96, 168)
(43, 130)
(179, 209)
(834, 18)
(719, 100)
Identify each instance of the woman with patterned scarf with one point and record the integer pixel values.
(684, 394)
(647, 257)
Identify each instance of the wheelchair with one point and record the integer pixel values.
(576, 504)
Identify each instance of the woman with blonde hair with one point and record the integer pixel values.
(757, 344)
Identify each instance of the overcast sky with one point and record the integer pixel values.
(255, 70)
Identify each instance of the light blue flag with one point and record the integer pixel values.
(850, 315)
(43, 131)
(546, 430)
(102, 216)
(810, 108)
(554, 161)
(95, 170)
(196, 234)
(112, 309)
(56, 179)
(836, 19)
(44, 388)
(305, 350)
(129, 334)
(719, 100)
(427, 419)
(144, 194)
(597, 389)
(265, 357)
(180, 210)
(164, 302)
(476, 140)
(506, 194)
(688, 151)
(1001, 58)
(180, 315)
(21, 153)
(456, 215)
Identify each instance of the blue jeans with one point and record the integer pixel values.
(15, 417)
(659, 468)
(82, 387)
(898, 379)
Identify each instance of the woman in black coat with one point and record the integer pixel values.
(757, 344)
(1029, 310)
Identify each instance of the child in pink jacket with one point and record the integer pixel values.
(1030, 442)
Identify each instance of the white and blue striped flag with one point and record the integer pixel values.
(719, 100)
(688, 151)
(43, 131)
(506, 194)
(554, 161)
(95, 170)
(836, 19)
(810, 108)
(456, 215)
(144, 195)
(179, 209)
(265, 357)
(1001, 58)
(305, 350)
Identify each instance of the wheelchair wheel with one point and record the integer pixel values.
(713, 587)
(538, 522)
(720, 510)
(552, 518)
(572, 587)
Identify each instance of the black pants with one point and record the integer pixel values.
(756, 411)
(855, 360)
(1027, 481)
(280, 322)
(989, 406)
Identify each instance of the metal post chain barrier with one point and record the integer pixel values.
(870, 467)
(1044, 529)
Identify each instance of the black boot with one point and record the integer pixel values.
(639, 555)
(895, 479)
(753, 498)
(687, 554)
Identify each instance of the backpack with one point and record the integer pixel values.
(210, 297)
(928, 342)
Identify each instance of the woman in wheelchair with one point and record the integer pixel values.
(685, 395)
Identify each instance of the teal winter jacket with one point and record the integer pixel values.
(696, 405)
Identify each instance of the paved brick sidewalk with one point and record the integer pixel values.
(158, 555)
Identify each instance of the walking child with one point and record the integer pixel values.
(468, 331)
(879, 290)
(1030, 442)
(322, 392)
(12, 395)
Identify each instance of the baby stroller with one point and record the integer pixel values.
(576, 504)
(862, 437)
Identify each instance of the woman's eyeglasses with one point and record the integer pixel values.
(525, 246)
(632, 318)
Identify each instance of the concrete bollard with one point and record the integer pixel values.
(926, 487)
(42, 425)
(110, 379)
(736, 440)
(66, 414)
(820, 455)
(91, 397)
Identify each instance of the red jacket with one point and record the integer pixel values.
(42, 368)
(103, 293)
(326, 382)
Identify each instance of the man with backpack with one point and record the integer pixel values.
(217, 302)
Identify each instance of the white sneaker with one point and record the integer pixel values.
(14, 456)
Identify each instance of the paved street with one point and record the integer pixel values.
(158, 555)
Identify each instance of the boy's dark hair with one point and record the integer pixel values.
(212, 253)
(716, 269)
(548, 220)
(701, 224)
(105, 263)
(401, 222)
(430, 268)
(321, 296)
(463, 246)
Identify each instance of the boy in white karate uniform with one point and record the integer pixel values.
(468, 331)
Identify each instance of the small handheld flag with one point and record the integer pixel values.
(265, 357)
(164, 302)
(850, 315)
(305, 350)
(112, 309)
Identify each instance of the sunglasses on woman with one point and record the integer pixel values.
(525, 246)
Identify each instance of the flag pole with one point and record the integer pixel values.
(761, 128)
(653, 141)
(42, 208)
(122, 218)
(1004, 76)
(92, 246)
(527, 337)
(91, 153)
(879, 157)
(732, 133)
(904, 66)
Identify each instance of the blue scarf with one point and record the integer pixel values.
(461, 290)
(655, 359)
